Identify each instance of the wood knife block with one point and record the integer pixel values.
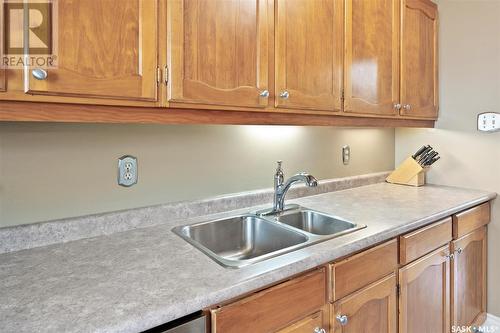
(408, 173)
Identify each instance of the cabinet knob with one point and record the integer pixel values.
(39, 74)
(284, 94)
(460, 250)
(264, 93)
(319, 330)
(397, 106)
(342, 319)
(407, 107)
(449, 256)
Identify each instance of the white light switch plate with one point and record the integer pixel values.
(488, 122)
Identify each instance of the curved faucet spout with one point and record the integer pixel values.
(281, 187)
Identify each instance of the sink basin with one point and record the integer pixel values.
(241, 240)
(314, 222)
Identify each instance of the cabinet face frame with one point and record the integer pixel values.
(460, 248)
(412, 272)
(427, 10)
(350, 305)
(357, 105)
(299, 99)
(204, 95)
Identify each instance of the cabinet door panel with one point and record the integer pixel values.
(218, 52)
(309, 54)
(106, 49)
(419, 61)
(371, 77)
(372, 309)
(424, 303)
(469, 279)
(3, 80)
(310, 324)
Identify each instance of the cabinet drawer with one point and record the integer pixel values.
(471, 219)
(424, 240)
(273, 308)
(363, 268)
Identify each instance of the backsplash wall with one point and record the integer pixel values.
(50, 171)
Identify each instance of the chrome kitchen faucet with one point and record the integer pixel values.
(281, 186)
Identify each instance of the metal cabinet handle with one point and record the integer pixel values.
(407, 107)
(39, 74)
(449, 256)
(460, 250)
(264, 93)
(397, 106)
(284, 94)
(342, 319)
(319, 330)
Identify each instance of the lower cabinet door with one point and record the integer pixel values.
(424, 302)
(369, 310)
(314, 323)
(469, 279)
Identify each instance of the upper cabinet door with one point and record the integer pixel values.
(3, 80)
(371, 77)
(106, 49)
(218, 52)
(309, 54)
(419, 59)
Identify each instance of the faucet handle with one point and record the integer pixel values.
(279, 162)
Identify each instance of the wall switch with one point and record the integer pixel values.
(127, 171)
(488, 122)
(346, 155)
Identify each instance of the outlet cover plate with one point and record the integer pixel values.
(488, 122)
(127, 171)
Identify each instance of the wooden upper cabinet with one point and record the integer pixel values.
(106, 50)
(419, 59)
(218, 52)
(424, 302)
(469, 279)
(371, 77)
(308, 54)
(372, 309)
(3, 80)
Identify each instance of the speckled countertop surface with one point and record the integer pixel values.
(134, 280)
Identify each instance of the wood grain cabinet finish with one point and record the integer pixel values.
(312, 323)
(371, 77)
(419, 59)
(358, 271)
(471, 219)
(275, 308)
(218, 52)
(3, 80)
(424, 240)
(469, 279)
(424, 301)
(106, 50)
(372, 309)
(308, 54)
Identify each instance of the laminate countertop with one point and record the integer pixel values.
(134, 280)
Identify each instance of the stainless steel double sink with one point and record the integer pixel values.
(241, 240)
